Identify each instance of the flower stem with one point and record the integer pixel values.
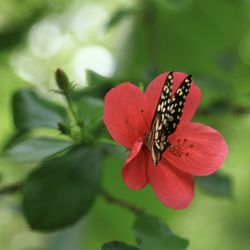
(122, 203)
(72, 111)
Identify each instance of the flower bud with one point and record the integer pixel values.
(62, 81)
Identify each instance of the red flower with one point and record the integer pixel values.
(195, 150)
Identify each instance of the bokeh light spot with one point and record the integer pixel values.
(95, 58)
(46, 39)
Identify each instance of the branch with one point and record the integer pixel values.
(13, 188)
(131, 207)
(17, 187)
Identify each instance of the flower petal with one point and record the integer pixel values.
(192, 101)
(126, 114)
(208, 152)
(134, 172)
(174, 188)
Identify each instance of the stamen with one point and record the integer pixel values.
(181, 147)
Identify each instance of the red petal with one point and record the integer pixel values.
(207, 154)
(134, 171)
(174, 188)
(192, 101)
(126, 114)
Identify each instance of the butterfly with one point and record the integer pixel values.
(167, 116)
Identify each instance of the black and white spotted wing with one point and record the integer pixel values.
(177, 104)
(167, 116)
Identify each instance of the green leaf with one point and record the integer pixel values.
(216, 184)
(117, 245)
(98, 86)
(62, 190)
(31, 110)
(94, 79)
(119, 16)
(152, 233)
(114, 149)
(35, 149)
(90, 110)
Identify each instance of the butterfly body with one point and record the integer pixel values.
(167, 116)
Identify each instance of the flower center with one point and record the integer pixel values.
(180, 147)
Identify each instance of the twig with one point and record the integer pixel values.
(72, 110)
(122, 203)
(13, 188)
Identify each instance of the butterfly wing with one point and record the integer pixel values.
(177, 104)
(167, 116)
(157, 136)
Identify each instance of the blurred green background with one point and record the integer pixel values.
(133, 41)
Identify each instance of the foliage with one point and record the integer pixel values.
(64, 186)
(61, 141)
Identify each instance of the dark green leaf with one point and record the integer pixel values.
(116, 245)
(94, 79)
(90, 110)
(62, 190)
(32, 110)
(216, 184)
(119, 16)
(152, 233)
(34, 149)
(98, 86)
(115, 150)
